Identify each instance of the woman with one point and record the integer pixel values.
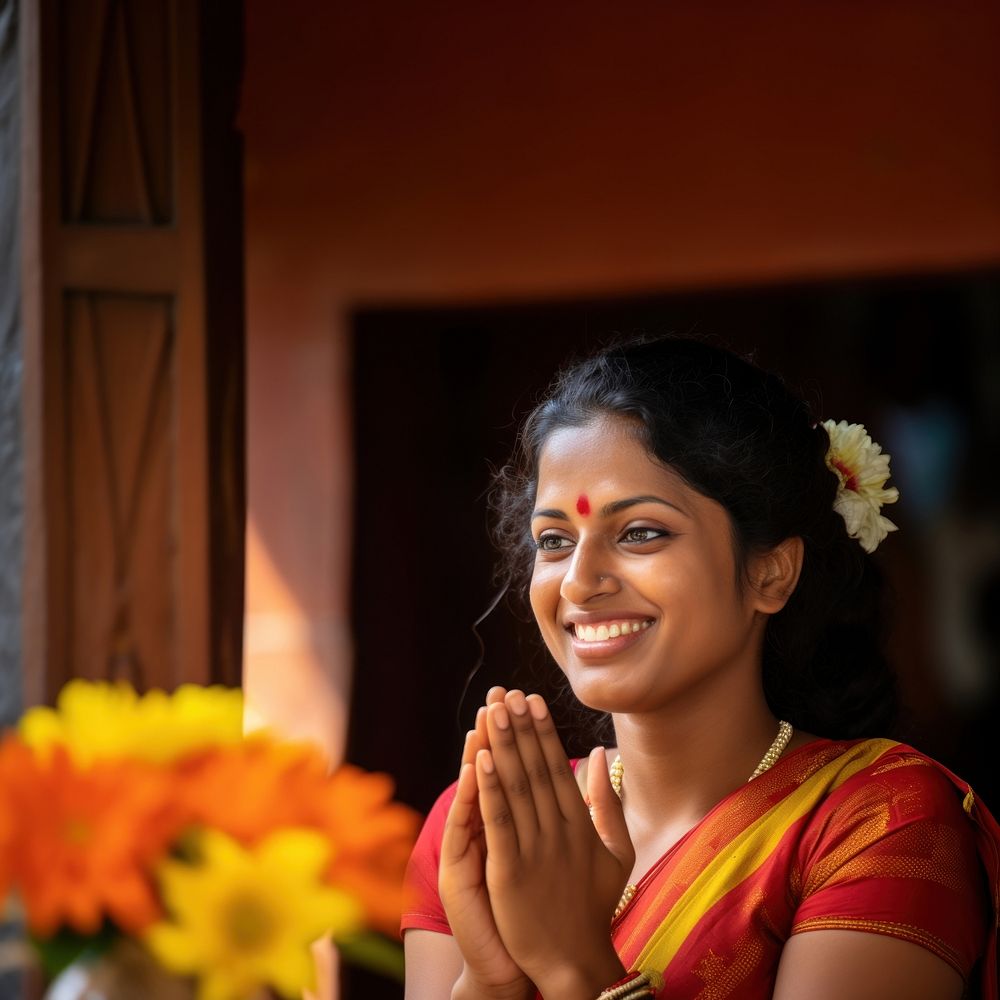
(696, 550)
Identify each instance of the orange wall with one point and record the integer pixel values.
(402, 151)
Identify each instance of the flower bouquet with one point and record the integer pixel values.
(153, 830)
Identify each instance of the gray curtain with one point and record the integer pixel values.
(11, 465)
(11, 499)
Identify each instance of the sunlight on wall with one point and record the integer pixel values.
(296, 664)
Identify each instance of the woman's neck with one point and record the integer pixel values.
(682, 760)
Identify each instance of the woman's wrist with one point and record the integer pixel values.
(581, 980)
(467, 987)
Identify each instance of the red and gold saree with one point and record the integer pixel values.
(867, 835)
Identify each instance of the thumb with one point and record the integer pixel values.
(606, 809)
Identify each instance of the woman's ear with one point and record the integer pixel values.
(775, 574)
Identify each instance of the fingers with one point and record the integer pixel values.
(475, 738)
(481, 738)
(524, 777)
(502, 843)
(564, 786)
(510, 772)
(609, 819)
(459, 826)
(495, 694)
(534, 766)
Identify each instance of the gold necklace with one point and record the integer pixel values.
(770, 758)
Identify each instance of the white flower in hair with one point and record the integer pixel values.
(862, 470)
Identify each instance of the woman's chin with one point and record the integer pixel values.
(601, 695)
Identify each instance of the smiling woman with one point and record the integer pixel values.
(681, 525)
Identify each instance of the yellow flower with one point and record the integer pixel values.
(862, 470)
(253, 790)
(96, 720)
(245, 918)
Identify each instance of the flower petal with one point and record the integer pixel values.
(862, 470)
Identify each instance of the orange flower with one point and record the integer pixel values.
(251, 791)
(82, 841)
(374, 838)
(6, 834)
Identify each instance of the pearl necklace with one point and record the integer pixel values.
(770, 758)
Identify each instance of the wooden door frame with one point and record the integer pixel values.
(60, 255)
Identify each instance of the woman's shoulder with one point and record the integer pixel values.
(893, 788)
(841, 767)
(903, 778)
(897, 848)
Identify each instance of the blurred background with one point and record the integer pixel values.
(277, 282)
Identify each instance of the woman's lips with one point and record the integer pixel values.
(599, 649)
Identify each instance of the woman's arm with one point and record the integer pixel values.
(852, 965)
(433, 965)
(435, 970)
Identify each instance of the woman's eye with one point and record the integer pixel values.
(552, 543)
(637, 536)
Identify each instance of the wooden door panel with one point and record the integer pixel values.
(122, 488)
(118, 61)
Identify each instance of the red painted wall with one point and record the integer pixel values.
(498, 149)
(410, 152)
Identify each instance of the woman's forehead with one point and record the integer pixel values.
(605, 456)
(599, 436)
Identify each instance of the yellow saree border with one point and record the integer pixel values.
(748, 850)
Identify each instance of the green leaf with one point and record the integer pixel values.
(65, 947)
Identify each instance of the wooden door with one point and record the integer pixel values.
(132, 300)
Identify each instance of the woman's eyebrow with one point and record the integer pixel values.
(619, 505)
(557, 515)
(612, 508)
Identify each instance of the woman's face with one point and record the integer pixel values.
(634, 582)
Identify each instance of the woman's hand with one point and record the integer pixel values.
(554, 876)
(489, 970)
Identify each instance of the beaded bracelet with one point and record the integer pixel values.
(633, 986)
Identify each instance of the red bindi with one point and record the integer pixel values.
(583, 505)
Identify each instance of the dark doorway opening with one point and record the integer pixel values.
(440, 393)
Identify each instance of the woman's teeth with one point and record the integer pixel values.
(588, 633)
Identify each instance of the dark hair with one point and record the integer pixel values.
(739, 435)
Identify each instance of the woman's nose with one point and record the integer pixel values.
(588, 574)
